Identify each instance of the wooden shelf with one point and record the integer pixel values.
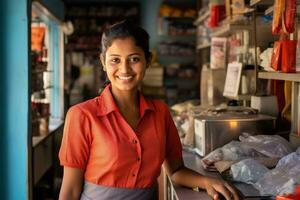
(261, 2)
(203, 46)
(269, 10)
(179, 18)
(201, 18)
(41, 71)
(183, 35)
(42, 89)
(227, 29)
(36, 118)
(280, 76)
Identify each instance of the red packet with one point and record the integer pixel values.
(286, 197)
(288, 58)
(289, 16)
(276, 56)
(278, 10)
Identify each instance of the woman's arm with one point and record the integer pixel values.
(71, 187)
(189, 178)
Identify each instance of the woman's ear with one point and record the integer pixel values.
(102, 59)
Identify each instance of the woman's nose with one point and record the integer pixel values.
(124, 67)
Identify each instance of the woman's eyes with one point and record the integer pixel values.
(115, 60)
(131, 60)
(134, 59)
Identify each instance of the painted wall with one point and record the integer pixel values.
(14, 99)
(149, 13)
(2, 108)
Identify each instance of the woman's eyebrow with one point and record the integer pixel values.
(134, 54)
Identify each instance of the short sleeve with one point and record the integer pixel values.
(173, 144)
(75, 146)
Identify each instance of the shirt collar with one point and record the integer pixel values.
(106, 103)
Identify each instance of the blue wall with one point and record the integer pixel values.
(149, 14)
(2, 108)
(14, 99)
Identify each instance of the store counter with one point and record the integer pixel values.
(44, 149)
(193, 161)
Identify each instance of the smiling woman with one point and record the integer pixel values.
(115, 144)
(125, 64)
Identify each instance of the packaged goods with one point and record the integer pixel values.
(289, 16)
(218, 53)
(276, 56)
(288, 60)
(278, 10)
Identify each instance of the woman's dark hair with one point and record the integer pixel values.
(125, 29)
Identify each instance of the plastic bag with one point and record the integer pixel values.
(248, 171)
(283, 178)
(273, 146)
(233, 151)
(289, 161)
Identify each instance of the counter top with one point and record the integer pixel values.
(54, 124)
(193, 161)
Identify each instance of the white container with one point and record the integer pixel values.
(267, 105)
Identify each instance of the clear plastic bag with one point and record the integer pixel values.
(248, 171)
(283, 178)
(258, 146)
(273, 146)
(289, 161)
(232, 151)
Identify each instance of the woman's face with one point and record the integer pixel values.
(125, 64)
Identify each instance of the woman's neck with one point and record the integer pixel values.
(125, 99)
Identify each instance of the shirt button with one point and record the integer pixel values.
(134, 141)
(133, 174)
(138, 158)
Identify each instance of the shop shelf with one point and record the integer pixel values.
(201, 18)
(269, 10)
(280, 76)
(241, 97)
(42, 89)
(227, 29)
(187, 36)
(203, 46)
(54, 124)
(261, 2)
(41, 71)
(179, 18)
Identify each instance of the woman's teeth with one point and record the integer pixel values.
(124, 77)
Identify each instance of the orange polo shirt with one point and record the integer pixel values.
(98, 140)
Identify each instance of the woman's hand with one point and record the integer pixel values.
(215, 187)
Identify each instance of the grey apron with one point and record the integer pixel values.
(98, 192)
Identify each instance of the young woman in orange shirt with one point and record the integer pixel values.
(114, 145)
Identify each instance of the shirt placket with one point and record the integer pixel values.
(134, 172)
